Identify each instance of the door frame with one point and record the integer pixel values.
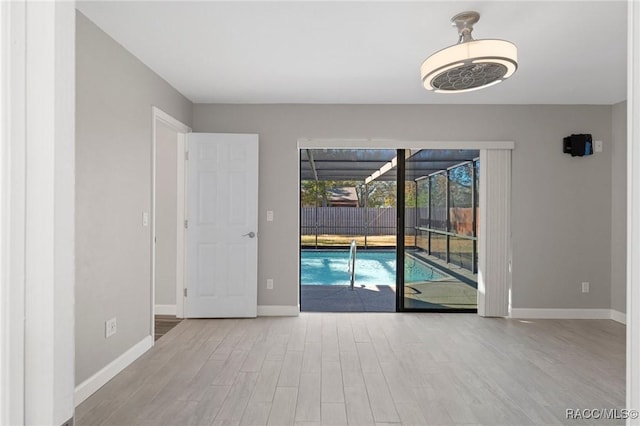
(37, 210)
(482, 146)
(159, 116)
(13, 168)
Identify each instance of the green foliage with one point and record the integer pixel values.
(383, 193)
(312, 192)
(375, 194)
(460, 186)
(378, 193)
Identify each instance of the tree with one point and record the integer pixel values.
(377, 194)
(312, 192)
(460, 186)
(374, 194)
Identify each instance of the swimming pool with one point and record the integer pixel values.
(374, 267)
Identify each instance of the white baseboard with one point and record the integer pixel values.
(278, 311)
(618, 316)
(527, 313)
(85, 389)
(165, 309)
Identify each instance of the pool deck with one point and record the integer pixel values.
(340, 298)
(443, 294)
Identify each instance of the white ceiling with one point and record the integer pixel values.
(570, 52)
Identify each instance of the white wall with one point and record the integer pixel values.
(49, 219)
(115, 94)
(561, 215)
(12, 211)
(618, 149)
(166, 213)
(37, 212)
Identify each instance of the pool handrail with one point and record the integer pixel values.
(352, 262)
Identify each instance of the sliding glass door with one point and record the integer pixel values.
(438, 234)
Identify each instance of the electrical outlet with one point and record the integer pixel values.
(585, 287)
(269, 215)
(269, 283)
(145, 219)
(110, 328)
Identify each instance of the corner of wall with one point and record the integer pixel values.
(618, 232)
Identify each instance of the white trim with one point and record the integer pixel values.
(618, 316)
(544, 313)
(85, 389)
(170, 121)
(40, 200)
(152, 234)
(12, 211)
(49, 219)
(159, 115)
(304, 143)
(278, 311)
(181, 215)
(185, 232)
(633, 209)
(165, 309)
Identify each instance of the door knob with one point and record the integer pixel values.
(249, 234)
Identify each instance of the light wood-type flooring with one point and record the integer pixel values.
(164, 324)
(366, 369)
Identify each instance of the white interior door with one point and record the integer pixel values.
(222, 233)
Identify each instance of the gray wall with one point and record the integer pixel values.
(619, 207)
(166, 214)
(114, 95)
(561, 205)
(565, 215)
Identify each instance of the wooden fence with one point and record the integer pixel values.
(351, 220)
(377, 221)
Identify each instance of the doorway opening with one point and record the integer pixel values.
(388, 230)
(167, 216)
(348, 222)
(441, 202)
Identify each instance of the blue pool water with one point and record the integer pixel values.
(330, 267)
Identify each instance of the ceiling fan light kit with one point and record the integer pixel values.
(470, 64)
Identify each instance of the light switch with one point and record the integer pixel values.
(145, 219)
(597, 146)
(269, 215)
